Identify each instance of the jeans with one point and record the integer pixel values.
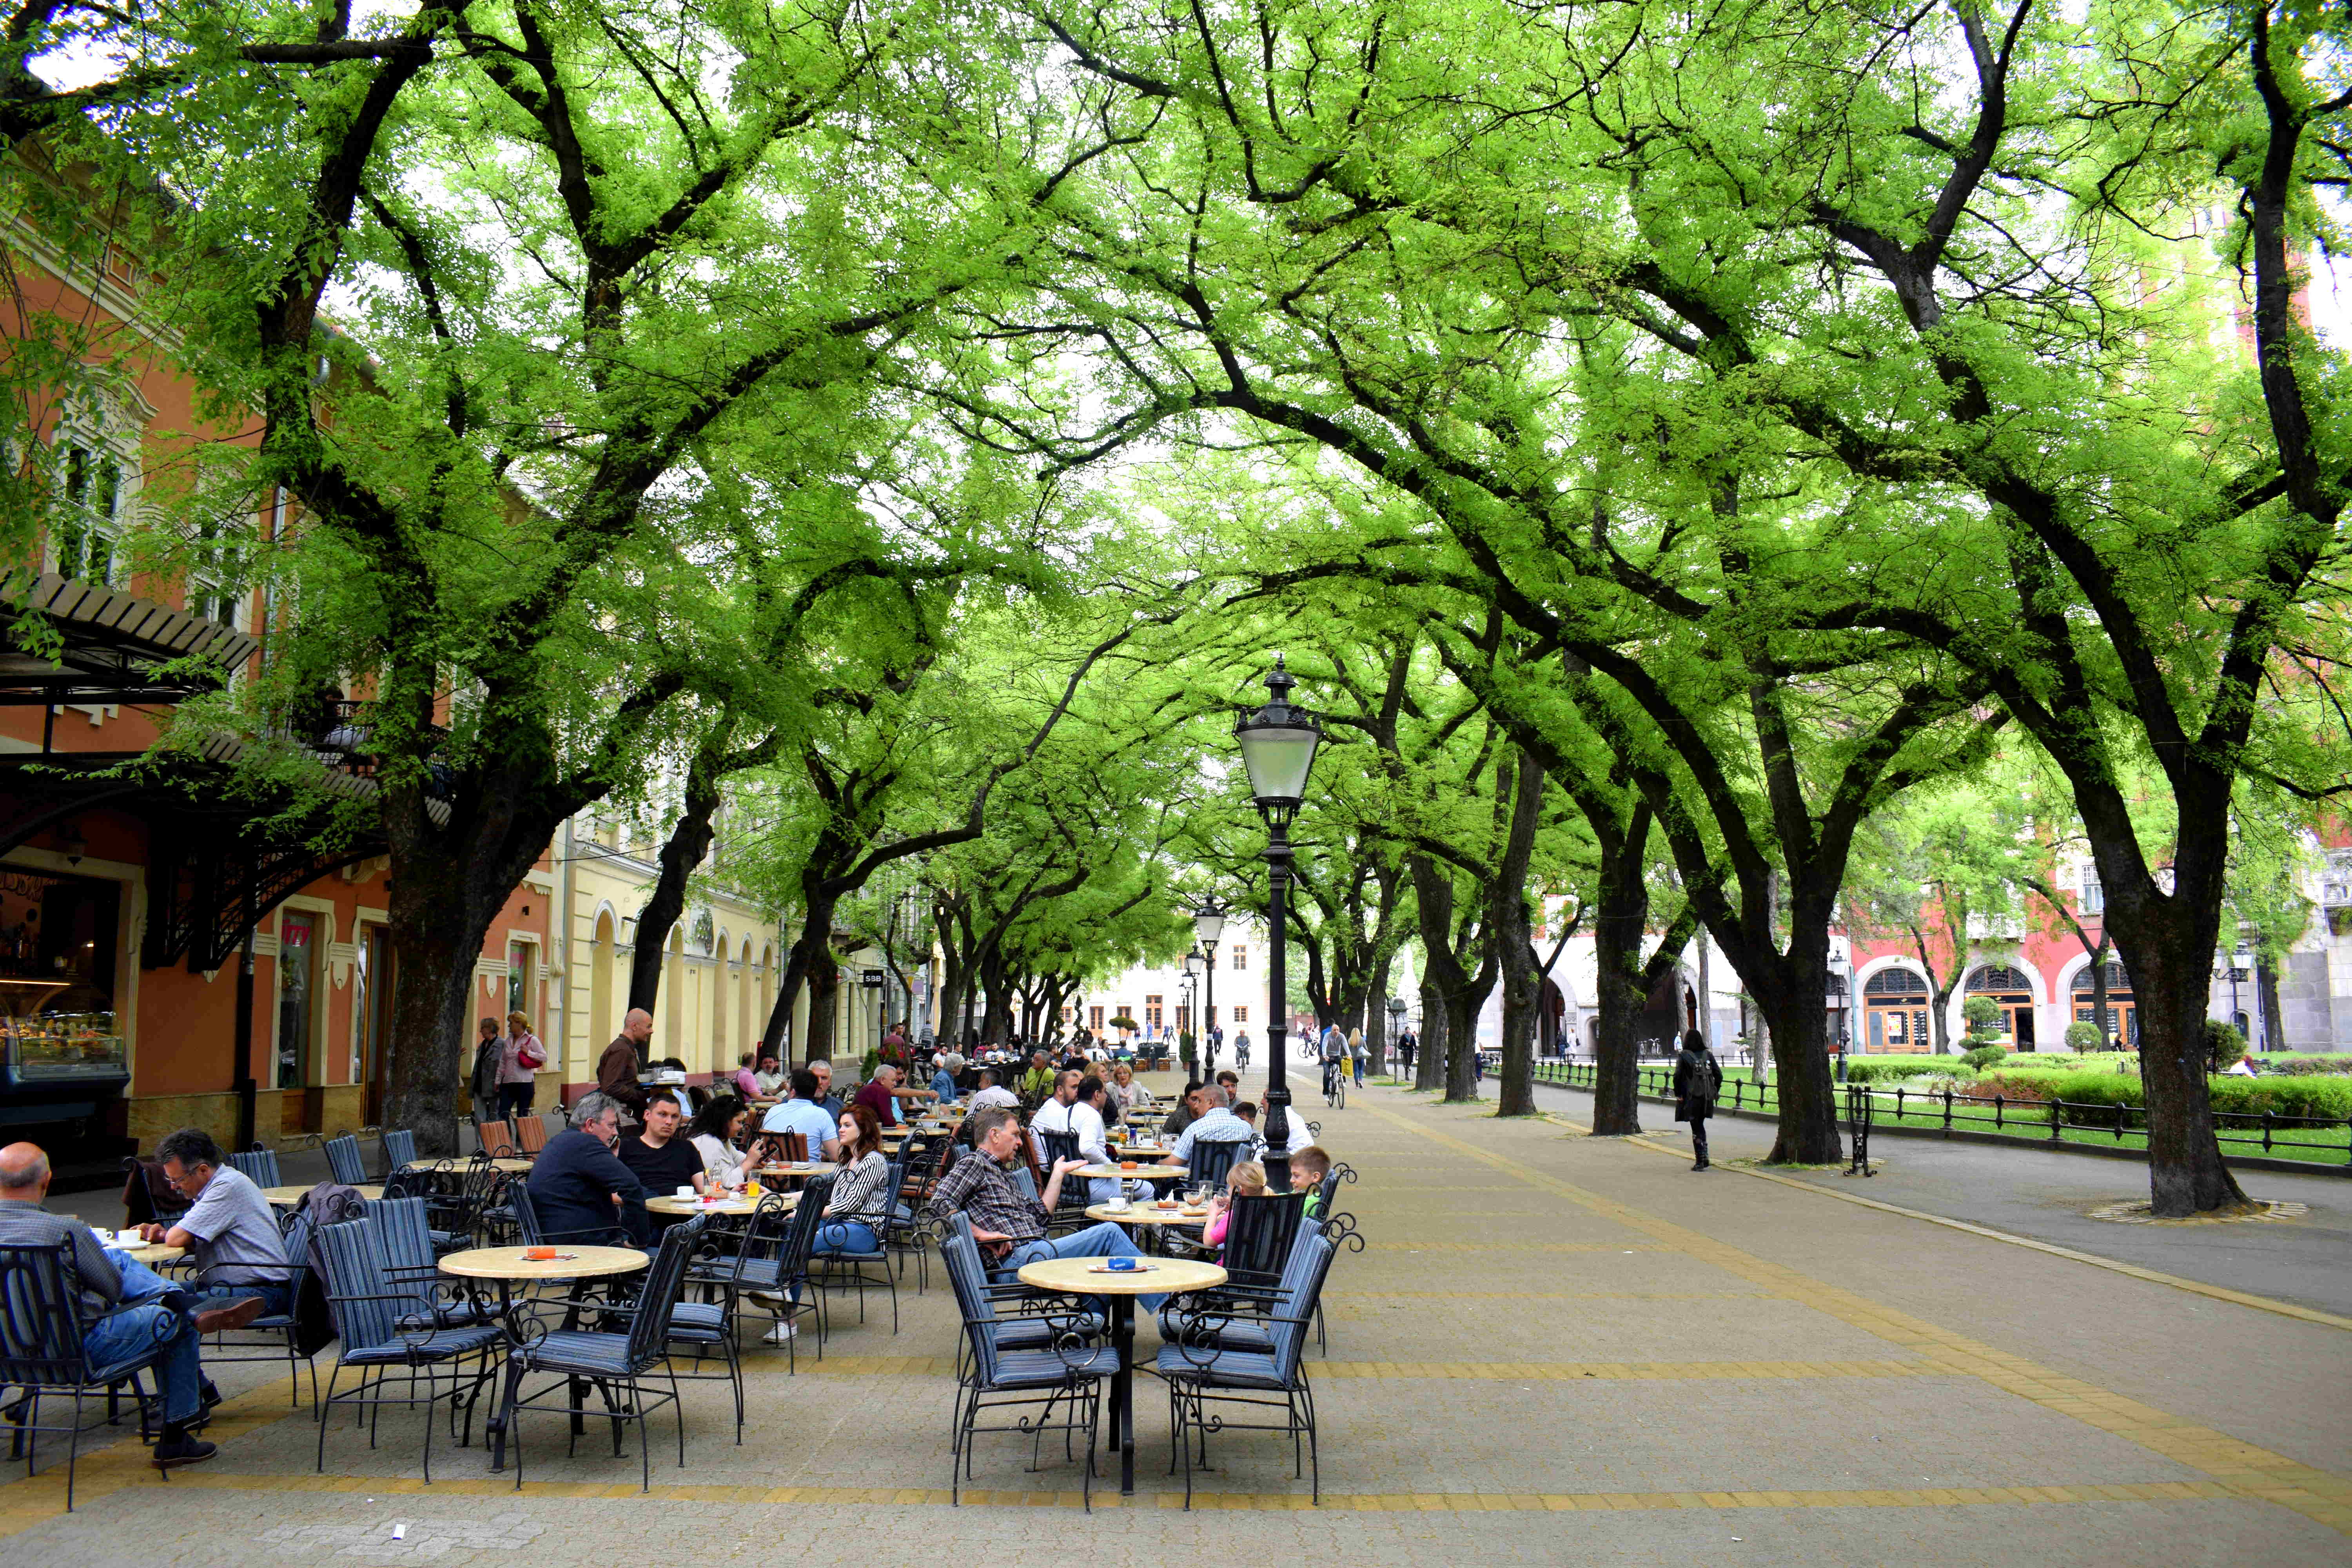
(140, 1283)
(514, 1100)
(277, 1296)
(1104, 1240)
(133, 1331)
(1360, 1072)
(847, 1236)
(1698, 1138)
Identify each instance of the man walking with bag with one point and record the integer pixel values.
(1698, 1080)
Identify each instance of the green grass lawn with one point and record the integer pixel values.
(2240, 1136)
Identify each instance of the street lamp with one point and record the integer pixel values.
(1396, 1026)
(1278, 745)
(1208, 924)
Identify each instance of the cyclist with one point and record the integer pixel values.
(1334, 1049)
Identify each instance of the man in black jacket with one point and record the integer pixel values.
(1698, 1080)
(579, 1187)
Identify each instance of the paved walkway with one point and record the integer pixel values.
(2047, 1196)
(1556, 1349)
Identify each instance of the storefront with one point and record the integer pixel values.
(2012, 993)
(1894, 1014)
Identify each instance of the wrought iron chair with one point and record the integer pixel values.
(411, 1252)
(399, 1329)
(1244, 1302)
(772, 1264)
(283, 1328)
(1209, 1164)
(710, 1324)
(258, 1165)
(344, 1160)
(837, 1266)
(41, 1353)
(1070, 1208)
(399, 1150)
(1067, 1373)
(616, 1363)
(1201, 1369)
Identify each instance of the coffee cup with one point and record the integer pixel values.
(687, 1191)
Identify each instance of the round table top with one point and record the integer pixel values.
(1161, 1275)
(512, 1167)
(1142, 1151)
(150, 1253)
(806, 1168)
(696, 1205)
(289, 1196)
(1147, 1173)
(1147, 1213)
(572, 1263)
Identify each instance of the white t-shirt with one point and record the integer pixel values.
(1081, 1119)
(994, 1094)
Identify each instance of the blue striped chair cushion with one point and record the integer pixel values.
(581, 1349)
(1037, 1369)
(441, 1345)
(1226, 1369)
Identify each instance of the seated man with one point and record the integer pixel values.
(804, 1115)
(886, 1091)
(1188, 1106)
(661, 1160)
(827, 1101)
(1008, 1223)
(578, 1186)
(124, 1319)
(943, 1087)
(1214, 1124)
(992, 1092)
(229, 1228)
(770, 1080)
(1230, 1083)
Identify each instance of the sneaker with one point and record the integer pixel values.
(782, 1333)
(235, 1315)
(173, 1452)
(770, 1299)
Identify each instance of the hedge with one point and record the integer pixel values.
(2304, 1096)
(2297, 1064)
(1884, 1069)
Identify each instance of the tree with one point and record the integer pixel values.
(1942, 870)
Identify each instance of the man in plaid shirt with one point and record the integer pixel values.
(1008, 1223)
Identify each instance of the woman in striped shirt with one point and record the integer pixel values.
(861, 1195)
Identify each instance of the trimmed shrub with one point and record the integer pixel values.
(2294, 1065)
(2083, 1036)
(2224, 1046)
(2307, 1096)
(1983, 1056)
(1887, 1070)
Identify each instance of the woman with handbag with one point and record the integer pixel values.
(518, 1066)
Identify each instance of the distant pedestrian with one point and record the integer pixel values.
(1698, 1080)
(482, 1083)
(1357, 1048)
(520, 1056)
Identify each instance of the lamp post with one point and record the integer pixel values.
(1278, 745)
(1208, 924)
(1396, 1026)
(1190, 981)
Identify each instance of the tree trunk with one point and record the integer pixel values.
(1511, 939)
(1620, 995)
(688, 843)
(1376, 1018)
(1792, 992)
(2272, 1023)
(1429, 1055)
(810, 954)
(2168, 957)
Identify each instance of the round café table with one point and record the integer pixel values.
(1139, 1152)
(791, 1172)
(1140, 1173)
(510, 1268)
(459, 1164)
(1150, 1214)
(1086, 1277)
(732, 1205)
(286, 1197)
(150, 1253)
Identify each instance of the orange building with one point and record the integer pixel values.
(163, 962)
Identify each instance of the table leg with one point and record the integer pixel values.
(494, 1430)
(1122, 1390)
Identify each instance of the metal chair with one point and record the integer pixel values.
(771, 1266)
(710, 1324)
(616, 1363)
(41, 1331)
(392, 1327)
(399, 1150)
(258, 1165)
(837, 1266)
(1066, 1371)
(1201, 1369)
(283, 1327)
(1209, 1164)
(344, 1160)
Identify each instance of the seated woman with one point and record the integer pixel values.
(716, 1134)
(1127, 1095)
(861, 1191)
(1245, 1179)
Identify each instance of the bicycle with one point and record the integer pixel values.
(1335, 1086)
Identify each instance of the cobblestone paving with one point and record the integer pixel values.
(1554, 1349)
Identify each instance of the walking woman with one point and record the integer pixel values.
(1698, 1080)
(489, 1058)
(861, 1195)
(520, 1056)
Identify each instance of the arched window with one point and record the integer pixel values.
(2012, 993)
(1895, 1013)
(2121, 1026)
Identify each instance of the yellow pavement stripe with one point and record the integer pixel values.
(1344, 1503)
(1394, 1247)
(2317, 1494)
(1622, 1371)
(123, 1462)
(1357, 1296)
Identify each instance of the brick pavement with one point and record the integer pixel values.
(1543, 1326)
